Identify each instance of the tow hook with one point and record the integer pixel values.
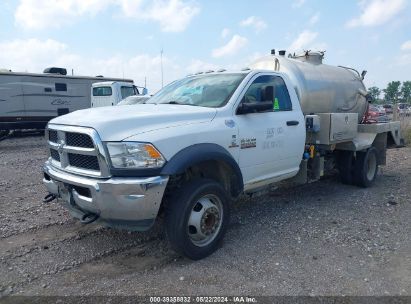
(49, 197)
(88, 218)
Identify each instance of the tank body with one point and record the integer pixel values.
(321, 88)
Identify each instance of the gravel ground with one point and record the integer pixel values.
(319, 239)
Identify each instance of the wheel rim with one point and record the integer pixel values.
(205, 220)
(371, 166)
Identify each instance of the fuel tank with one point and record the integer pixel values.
(321, 88)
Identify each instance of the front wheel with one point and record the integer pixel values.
(196, 218)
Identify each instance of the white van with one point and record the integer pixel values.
(110, 93)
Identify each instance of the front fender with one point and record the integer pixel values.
(199, 153)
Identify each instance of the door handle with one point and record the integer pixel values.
(292, 122)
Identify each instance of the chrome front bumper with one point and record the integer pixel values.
(127, 203)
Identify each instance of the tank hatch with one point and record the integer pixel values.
(311, 57)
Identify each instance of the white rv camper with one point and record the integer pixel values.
(29, 100)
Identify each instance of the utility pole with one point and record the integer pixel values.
(162, 74)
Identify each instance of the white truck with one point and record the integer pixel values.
(110, 93)
(200, 142)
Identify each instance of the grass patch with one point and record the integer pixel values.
(406, 129)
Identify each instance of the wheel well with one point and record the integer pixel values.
(216, 170)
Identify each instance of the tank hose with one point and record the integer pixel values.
(49, 197)
(88, 218)
(277, 65)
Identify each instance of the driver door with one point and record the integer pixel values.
(271, 140)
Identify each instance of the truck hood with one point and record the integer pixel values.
(119, 122)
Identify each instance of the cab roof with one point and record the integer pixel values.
(109, 83)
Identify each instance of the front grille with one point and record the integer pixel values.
(79, 140)
(55, 155)
(53, 136)
(77, 150)
(83, 161)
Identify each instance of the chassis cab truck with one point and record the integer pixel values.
(200, 142)
(110, 93)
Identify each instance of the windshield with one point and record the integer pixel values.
(203, 90)
(127, 91)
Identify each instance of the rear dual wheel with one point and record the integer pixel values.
(345, 162)
(366, 167)
(360, 170)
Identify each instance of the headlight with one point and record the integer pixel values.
(134, 155)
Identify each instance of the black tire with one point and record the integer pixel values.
(181, 207)
(366, 167)
(345, 163)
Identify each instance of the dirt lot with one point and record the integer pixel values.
(321, 239)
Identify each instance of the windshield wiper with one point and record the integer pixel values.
(179, 103)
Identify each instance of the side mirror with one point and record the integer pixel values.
(267, 95)
(145, 91)
(254, 107)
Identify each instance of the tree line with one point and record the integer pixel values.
(395, 92)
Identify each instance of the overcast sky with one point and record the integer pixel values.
(125, 37)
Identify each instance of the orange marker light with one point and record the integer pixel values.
(152, 151)
(312, 148)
